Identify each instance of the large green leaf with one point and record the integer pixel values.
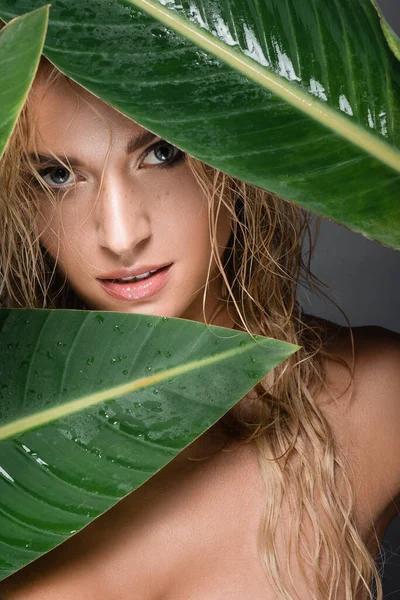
(301, 97)
(21, 44)
(92, 404)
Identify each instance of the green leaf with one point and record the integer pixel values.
(93, 404)
(391, 36)
(21, 44)
(301, 97)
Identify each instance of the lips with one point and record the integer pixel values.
(135, 284)
(133, 272)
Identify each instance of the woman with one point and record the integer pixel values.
(287, 497)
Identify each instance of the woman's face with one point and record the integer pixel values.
(127, 205)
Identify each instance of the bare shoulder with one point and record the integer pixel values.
(361, 401)
(366, 360)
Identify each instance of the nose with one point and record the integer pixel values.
(122, 219)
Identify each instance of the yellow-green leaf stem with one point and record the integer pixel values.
(299, 97)
(68, 408)
(272, 82)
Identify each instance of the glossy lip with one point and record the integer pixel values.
(137, 290)
(123, 273)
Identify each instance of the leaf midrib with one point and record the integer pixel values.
(291, 93)
(70, 407)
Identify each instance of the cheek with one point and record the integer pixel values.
(184, 212)
(186, 220)
(48, 225)
(56, 232)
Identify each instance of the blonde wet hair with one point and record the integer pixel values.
(260, 272)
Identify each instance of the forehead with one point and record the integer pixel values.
(62, 109)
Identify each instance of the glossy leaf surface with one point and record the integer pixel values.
(301, 97)
(21, 44)
(92, 404)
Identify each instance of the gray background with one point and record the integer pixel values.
(365, 279)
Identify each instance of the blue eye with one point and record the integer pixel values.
(57, 176)
(162, 154)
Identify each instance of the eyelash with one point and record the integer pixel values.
(179, 156)
(167, 165)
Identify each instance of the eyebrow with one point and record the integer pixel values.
(141, 140)
(43, 159)
(133, 145)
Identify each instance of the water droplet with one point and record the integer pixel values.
(9, 346)
(148, 368)
(115, 423)
(165, 319)
(251, 375)
(59, 343)
(214, 354)
(39, 396)
(125, 372)
(253, 360)
(155, 391)
(149, 324)
(118, 330)
(242, 344)
(90, 360)
(99, 319)
(167, 354)
(137, 404)
(217, 342)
